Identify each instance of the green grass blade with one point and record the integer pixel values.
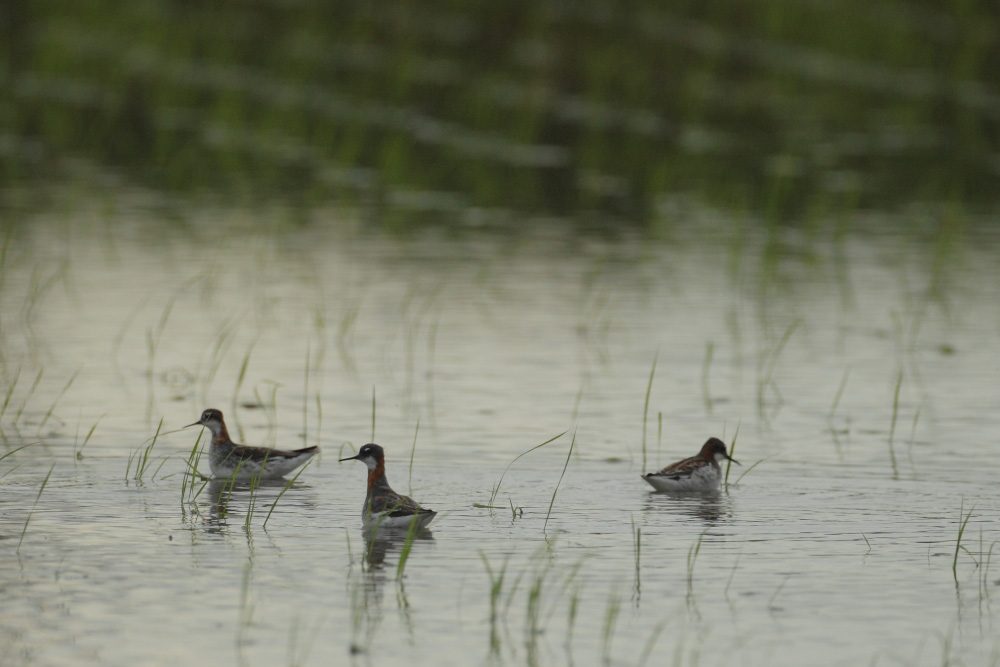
(10, 392)
(747, 471)
(52, 408)
(645, 408)
(287, 486)
(27, 520)
(556, 490)
(962, 522)
(404, 552)
(17, 449)
(496, 489)
(732, 448)
(413, 450)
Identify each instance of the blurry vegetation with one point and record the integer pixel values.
(786, 108)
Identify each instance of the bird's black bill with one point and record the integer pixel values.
(194, 424)
(734, 460)
(350, 458)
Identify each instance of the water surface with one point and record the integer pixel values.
(837, 543)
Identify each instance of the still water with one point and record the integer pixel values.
(856, 371)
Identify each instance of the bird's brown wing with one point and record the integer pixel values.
(684, 468)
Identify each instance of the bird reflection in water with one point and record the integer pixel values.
(367, 590)
(381, 543)
(711, 508)
(223, 493)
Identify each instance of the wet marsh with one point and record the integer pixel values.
(863, 522)
(534, 254)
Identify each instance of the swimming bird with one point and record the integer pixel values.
(226, 458)
(698, 473)
(384, 508)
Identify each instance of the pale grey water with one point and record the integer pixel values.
(495, 342)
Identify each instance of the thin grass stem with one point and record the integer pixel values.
(962, 522)
(287, 486)
(27, 519)
(892, 425)
(52, 408)
(747, 471)
(413, 450)
(705, 366)
(496, 489)
(404, 552)
(556, 490)
(732, 448)
(645, 408)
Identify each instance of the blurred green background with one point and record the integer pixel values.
(597, 111)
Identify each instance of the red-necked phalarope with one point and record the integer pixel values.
(698, 473)
(226, 457)
(384, 508)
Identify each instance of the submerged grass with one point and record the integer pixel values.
(191, 474)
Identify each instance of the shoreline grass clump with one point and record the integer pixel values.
(78, 451)
(143, 460)
(192, 474)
